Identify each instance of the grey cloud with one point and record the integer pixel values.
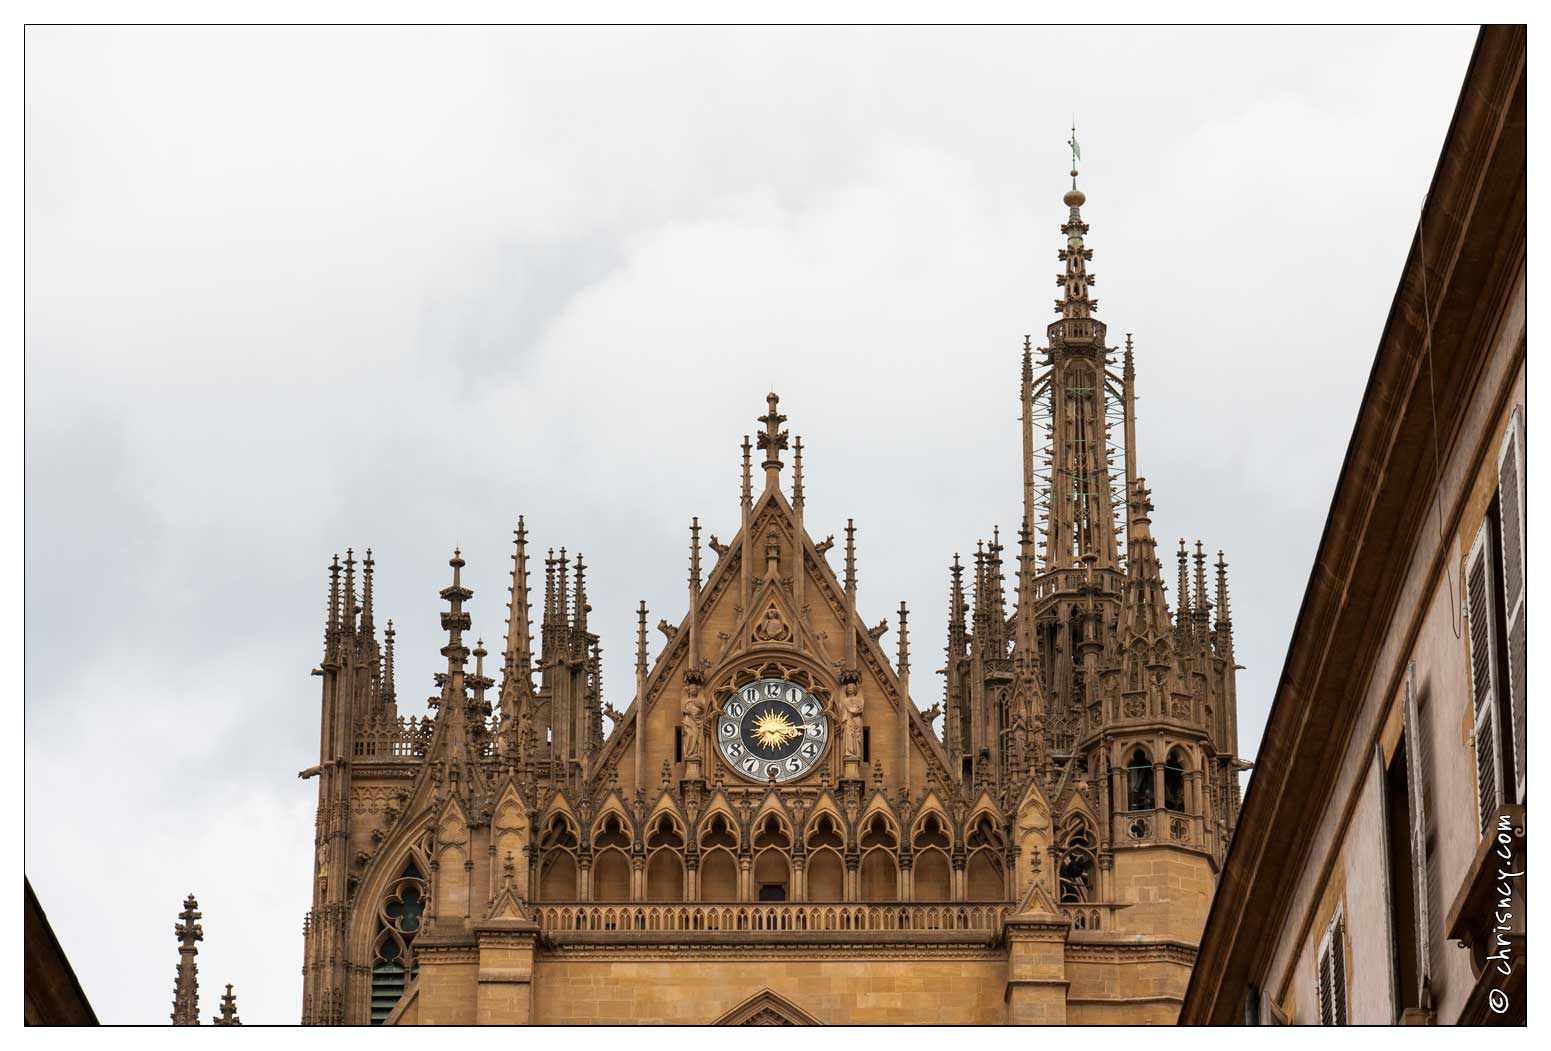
(293, 290)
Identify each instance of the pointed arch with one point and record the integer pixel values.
(1140, 793)
(985, 872)
(399, 914)
(557, 857)
(879, 872)
(718, 875)
(1076, 872)
(826, 875)
(665, 840)
(610, 875)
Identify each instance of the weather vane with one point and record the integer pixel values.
(1076, 149)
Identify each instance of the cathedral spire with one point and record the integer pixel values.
(1183, 619)
(580, 607)
(332, 631)
(388, 693)
(958, 631)
(1224, 617)
(1143, 612)
(349, 610)
(185, 989)
(366, 594)
(1202, 607)
(519, 632)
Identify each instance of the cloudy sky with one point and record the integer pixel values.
(294, 290)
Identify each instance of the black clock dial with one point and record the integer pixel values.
(772, 728)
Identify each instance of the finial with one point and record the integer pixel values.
(904, 638)
(228, 1015)
(185, 989)
(1074, 197)
(772, 440)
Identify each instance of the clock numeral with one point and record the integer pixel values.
(809, 710)
(772, 689)
(793, 695)
(734, 751)
(794, 764)
(751, 695)
(751, 765)
(810, 750)
(735, 710)
(815, 730)
(729, 729)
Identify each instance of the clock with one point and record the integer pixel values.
(772, 728)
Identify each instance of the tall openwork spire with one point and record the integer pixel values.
(185, 988)
(1078, 395)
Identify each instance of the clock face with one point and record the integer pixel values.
(772, 728)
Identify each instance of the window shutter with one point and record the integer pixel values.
(1326, 1016)
(1420, 862)
(1338, 970)
(1510, 502)
(1483, 675)
(1332, 973)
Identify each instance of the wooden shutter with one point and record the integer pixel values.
(1332, 973)
(1510, 502)
(1483, 675)
(1419, 860)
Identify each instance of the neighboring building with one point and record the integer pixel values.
(772, 832)
(1370, 875)
(52, 995)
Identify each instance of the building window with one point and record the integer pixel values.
(866, 744)
(1140, 776)
(393, 954)
(678, 744)
(1332, 973)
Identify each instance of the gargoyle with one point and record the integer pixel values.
(717, 546)
(670, 630)
(823, 546)
(876, 631)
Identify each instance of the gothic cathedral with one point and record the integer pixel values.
(773, 832)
